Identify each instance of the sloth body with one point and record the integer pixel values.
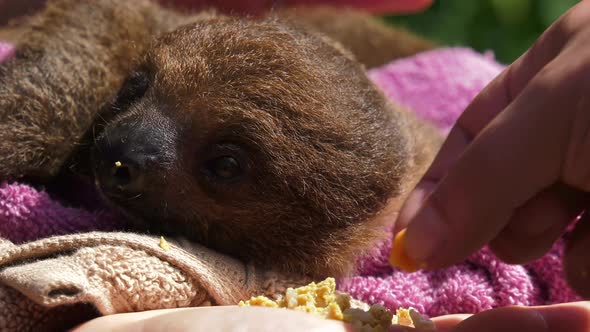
(261, 138)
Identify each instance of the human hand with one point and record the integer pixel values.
(221, 318)
(571, 317)
(515, 169)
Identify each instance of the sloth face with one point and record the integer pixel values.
(255, 138)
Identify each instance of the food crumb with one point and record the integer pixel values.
(323, 300)
(398, 257)
(164, 244)
(118, 164)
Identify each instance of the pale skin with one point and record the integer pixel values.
(513, 173)
(564, 317)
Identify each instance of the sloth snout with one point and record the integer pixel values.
(122, 157)
(121, 178)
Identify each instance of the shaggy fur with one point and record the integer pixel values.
(319, 149)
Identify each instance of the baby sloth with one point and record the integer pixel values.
(260, 138)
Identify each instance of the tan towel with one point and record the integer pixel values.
(59, 281)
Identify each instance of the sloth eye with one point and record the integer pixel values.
(224, 167)
(133, 88)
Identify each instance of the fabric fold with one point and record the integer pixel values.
(125, 272)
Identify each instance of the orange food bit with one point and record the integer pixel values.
(398, 257)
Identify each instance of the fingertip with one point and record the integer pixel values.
(447, 322)
(572, 316)
(509, 319)
(412, 204)
(426, 237)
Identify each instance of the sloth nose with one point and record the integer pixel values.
(121, 178)
(121, 159)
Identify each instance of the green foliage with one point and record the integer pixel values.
(508, 27)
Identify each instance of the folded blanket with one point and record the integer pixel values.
(119, 272)
(116, 272)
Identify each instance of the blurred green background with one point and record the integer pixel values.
(508, 27)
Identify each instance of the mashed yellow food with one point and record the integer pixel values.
(323, 300)
(164, 244)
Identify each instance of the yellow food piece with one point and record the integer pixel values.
(403, 317)
(398, 257)
(315, 298)
(118, 164)
(164, 244)
(322, 299)
(334, 312)
(261, 301)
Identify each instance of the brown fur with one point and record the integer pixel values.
(372, 42)
(321, 149)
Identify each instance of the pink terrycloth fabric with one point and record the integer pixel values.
(6, 50)
(27, 214)
(437, 85)
(481, 282)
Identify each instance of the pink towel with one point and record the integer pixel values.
(6, 50)
(437, 85)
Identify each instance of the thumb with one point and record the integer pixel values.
(571, 317)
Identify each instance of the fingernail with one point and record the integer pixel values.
(426, 236)
(398, 257)
(410, 207)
